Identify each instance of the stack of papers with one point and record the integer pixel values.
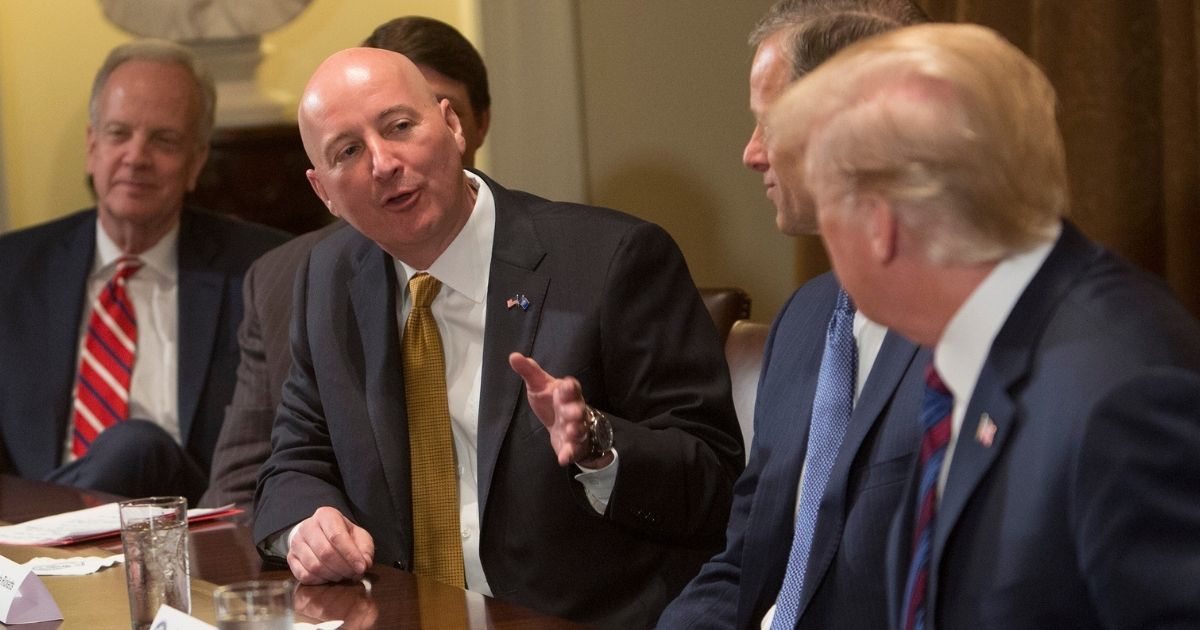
(86, 524)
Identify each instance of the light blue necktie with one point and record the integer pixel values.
(832, 405)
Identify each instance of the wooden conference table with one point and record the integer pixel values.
(222, 552)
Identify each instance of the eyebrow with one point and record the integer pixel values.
(379, 119)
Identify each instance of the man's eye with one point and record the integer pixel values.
(348, 152)
(117, 135)
(402, 125)
(168, 142)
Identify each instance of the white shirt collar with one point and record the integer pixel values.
(967, 340)
(465, 264)
(160, 260)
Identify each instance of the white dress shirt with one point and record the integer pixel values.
(154, 291)
(967, 339)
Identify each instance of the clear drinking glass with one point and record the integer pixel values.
(154, 535)
(254, 605)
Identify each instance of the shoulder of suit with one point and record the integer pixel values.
(44, 235)
(243, 234)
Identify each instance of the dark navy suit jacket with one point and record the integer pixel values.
(43, 284)
(1084, 512)
(611, 303)
(845, 586)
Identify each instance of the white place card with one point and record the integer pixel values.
(169, 618)
(23, 597)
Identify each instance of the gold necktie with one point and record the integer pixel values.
(437, 548)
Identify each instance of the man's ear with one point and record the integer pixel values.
(882, 226)
(455, 125)
(197, 165)
(311, 174)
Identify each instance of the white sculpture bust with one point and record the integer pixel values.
(189, 20)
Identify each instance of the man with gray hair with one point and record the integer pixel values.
(119, 349)
(833, 415)
(1057, 484)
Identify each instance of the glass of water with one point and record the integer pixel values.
(254, 605)
(154, 535)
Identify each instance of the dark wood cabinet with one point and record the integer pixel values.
(257, 173)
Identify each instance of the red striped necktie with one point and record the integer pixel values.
(106, 362)
(936, 410)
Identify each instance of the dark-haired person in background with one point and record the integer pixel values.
(456, 72)
(834, 427)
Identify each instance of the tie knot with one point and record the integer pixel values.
(845, 305)
(127, 266)
(424, 288)
(934, 380)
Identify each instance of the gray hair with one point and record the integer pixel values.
(817, 29)
(162, 51)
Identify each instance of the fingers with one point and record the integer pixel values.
(534, 376)
(569, 414)
(328, 547)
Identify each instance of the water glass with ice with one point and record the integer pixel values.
(254, 605)
(154, 535)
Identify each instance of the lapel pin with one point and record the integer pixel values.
(985, 433)
(518, 300)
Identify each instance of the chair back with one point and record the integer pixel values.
(725, 305)
(744, 354)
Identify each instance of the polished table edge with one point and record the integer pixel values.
(222, 552)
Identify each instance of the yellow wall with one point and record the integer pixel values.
(50, 49)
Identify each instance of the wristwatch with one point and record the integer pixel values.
(600, 435)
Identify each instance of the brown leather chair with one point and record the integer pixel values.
(744, 353)
(726, 305)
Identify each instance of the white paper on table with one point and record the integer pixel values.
(88, 523)
(23, 597)
(79, 565)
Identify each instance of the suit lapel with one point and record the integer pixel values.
(373, 289)
(893, 361)
(995, 394)
(515, 269)
(790, 377)
(63, 306)
(201, 286)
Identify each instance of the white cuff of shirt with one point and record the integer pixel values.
(598, 483)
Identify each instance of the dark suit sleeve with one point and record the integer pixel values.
(245, 439)
(711, 599)
(668, 389)
(1137, 510)
(302, 463)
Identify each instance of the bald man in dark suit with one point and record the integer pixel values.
(456, 72)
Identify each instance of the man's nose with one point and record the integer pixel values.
(754, 156)
(384, 161)
(137, 150)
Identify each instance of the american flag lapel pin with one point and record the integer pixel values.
(518, 300)
(512, 301)
(985, 432)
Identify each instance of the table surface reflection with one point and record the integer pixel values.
(222, 552)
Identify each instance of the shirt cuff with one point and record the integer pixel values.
(277, 544)
(598, 483)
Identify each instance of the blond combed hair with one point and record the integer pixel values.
(950, 123)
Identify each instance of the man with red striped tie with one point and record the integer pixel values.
(119, 348)
(1057, 482)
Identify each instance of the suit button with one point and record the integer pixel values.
(399, 564)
